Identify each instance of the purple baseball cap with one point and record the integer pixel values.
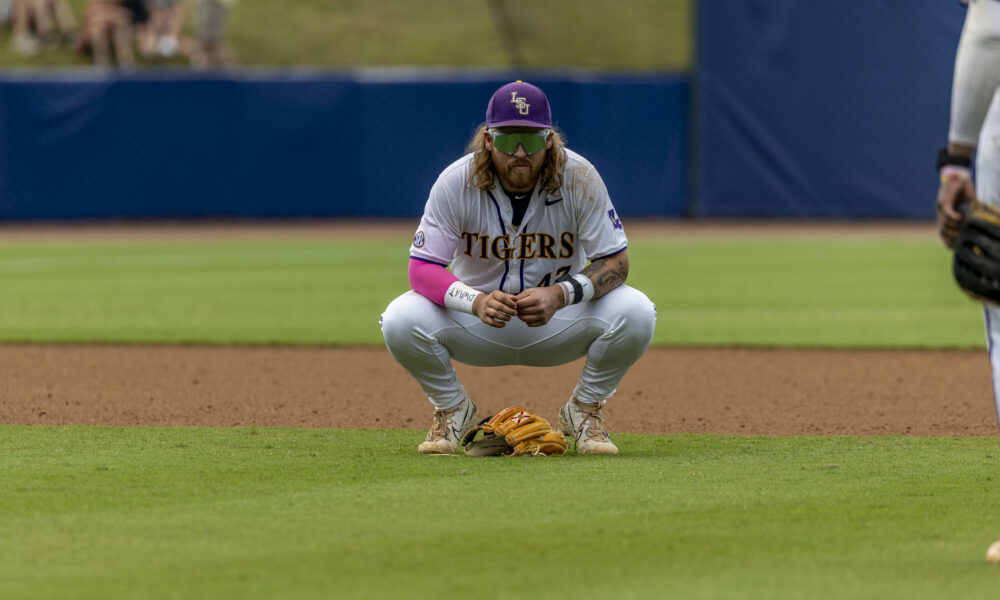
(519, 104)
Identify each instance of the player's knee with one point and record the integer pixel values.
(640, 318)
(397, 323)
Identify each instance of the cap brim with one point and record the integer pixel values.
(520, 123)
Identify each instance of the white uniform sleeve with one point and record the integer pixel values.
(977, 71)
(439, 231)
(600, 230)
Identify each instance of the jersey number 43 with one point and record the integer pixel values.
(547, 280)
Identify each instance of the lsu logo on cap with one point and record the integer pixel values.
(521, 102)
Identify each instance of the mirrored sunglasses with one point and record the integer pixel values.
(508, 142)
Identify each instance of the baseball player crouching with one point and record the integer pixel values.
(538, 262)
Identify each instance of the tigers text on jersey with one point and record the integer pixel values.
(470, 229)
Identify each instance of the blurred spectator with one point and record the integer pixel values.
(162, 38)
(110, 30)
(22, 40)
(41, 23)
(54, 22)
(210, 49)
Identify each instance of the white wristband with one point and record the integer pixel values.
(461, 297)
(567, 292)
(587, 285)
(576, 289)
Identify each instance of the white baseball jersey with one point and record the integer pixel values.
(471, 230)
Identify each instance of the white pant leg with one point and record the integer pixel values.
(991, 315)
(412, 327)
(616, 330)
(988, 190)
(612, 331)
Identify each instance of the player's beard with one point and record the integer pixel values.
(518, 180)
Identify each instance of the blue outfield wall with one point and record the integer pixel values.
(794, 109)
(368, 143)
(821, 109)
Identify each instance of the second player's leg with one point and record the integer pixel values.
(988, 191)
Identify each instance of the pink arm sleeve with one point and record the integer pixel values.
(430, 280)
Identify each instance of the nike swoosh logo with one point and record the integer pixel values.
(455, 431)
(548, 203)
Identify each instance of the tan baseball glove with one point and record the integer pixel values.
(514, 431)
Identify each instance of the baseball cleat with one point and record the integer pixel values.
(449, 427)
(586, 424)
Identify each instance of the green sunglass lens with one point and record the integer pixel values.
(508, 142)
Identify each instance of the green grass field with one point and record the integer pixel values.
(261, 513)
(750, 291)
(96, 512)
(291, 513)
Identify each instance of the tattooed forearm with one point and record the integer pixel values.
(607, 273)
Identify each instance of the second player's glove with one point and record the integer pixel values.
(976, 264)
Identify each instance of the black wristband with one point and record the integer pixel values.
(944, 159)
(577, 288)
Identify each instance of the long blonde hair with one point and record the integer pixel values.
(483, 173)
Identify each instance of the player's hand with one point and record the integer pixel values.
(495, 309)
(535, 306)
(951, 193)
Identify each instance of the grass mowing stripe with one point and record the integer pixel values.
(267, 292)
(95, 512)
(836, 292)
(823, 292)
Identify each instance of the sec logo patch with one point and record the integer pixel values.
(418, 240)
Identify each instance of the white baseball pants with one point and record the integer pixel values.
(612, 331)
(988, 190)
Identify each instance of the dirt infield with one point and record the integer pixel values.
(730, 391)
(698, 390)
